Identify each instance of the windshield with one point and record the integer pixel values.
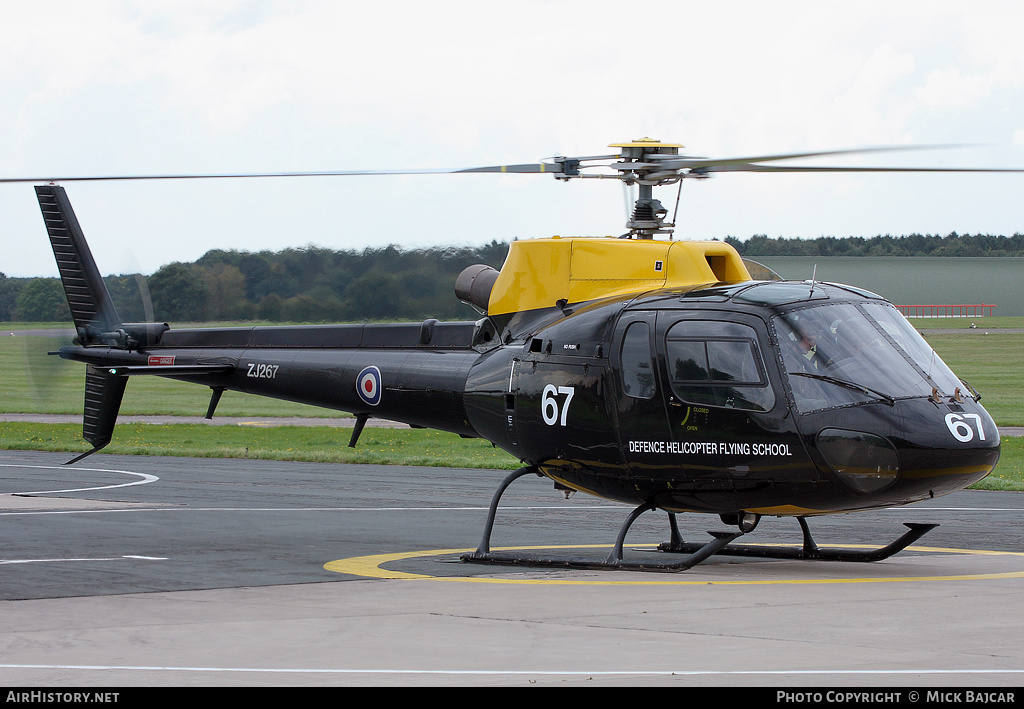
(836, 355)
(903, 334)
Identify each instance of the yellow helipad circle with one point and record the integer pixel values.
(372, 567)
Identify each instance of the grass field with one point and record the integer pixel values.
(993, 365)
(989, 323)
(36, 383)
(317, 444)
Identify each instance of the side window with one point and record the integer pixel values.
(688, 361)
(717, 364)
(637, 363)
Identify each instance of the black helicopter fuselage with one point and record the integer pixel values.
(654, 373)
(682, 397)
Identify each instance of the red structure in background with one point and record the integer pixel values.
(946, 311)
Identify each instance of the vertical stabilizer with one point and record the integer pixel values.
(91, 307)
(96, 320)
(103, 394)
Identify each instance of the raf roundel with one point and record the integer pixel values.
(368, 385)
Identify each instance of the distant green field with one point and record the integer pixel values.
(991, 323)
(914, 280)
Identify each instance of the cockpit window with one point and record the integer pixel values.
(837, 355)
(717, 364)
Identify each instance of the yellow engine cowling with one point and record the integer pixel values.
(540, 272)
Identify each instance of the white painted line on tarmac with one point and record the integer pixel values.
(146, 478)
(954, 509)
(84, 558)
(140, 507)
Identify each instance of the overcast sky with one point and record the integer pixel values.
(108, 88)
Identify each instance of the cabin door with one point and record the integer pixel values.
(640, 401)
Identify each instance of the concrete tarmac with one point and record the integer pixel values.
(137, 572)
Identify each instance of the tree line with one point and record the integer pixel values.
(309, 284)
(913, 245)
(314, 284)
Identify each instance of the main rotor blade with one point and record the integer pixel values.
(553, 168)
(540, 167)
(697, 166)
(683, 163)
(783, 168)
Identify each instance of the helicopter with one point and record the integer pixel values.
(649, 371)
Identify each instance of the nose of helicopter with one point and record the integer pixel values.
(925, 450)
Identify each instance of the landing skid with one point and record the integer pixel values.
(697, 552)
(810, 550)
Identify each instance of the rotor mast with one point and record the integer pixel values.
(640, 163)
